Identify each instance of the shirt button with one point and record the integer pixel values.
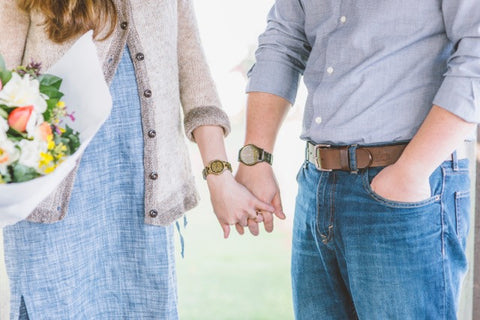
(153, 175)
(153, 213)
(318, 120)
(152, 133)
(124, 25)
(147, 93)
(330, 70)
(343, 19)
(139, 56)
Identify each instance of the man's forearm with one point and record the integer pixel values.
(265, 114)
(439, 135)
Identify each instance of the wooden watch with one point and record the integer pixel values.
(251, 154)
(216, 167)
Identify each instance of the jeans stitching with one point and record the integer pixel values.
(442, 215)
(317, 206)
(332, 210)
(459, 195)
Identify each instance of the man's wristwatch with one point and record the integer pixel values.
(216, 167)
(251, 154)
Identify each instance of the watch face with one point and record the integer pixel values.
(249, 155)
(217, 166)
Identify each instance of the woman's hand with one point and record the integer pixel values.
(260, 180)
(395, 184)
(233, 203)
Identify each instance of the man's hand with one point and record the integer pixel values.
(407, 180)
(398, 184)
(233, 203)
(260, 180)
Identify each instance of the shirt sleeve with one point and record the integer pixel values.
(460, 90)
(200, 101)
(282, 52)
(14, 25)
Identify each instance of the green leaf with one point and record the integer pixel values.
(51, 92)
(23, 173)
(48, 80)
(51, 103)
(6, 178)
(16, 135)
(2, 63)
(70, 138)
(3, 113)
(5, 76)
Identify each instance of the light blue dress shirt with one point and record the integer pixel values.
(373, 68)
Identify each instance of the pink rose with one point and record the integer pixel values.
(18, 118)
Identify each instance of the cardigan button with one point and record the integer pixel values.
(153, 213)
(124, 25)
(147, 93)
(139, 56)
(153, 175)
(152, 133)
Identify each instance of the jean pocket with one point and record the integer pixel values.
(462, 213)
(367, 180)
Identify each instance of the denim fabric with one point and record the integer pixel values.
(357, 255)
(102, 261)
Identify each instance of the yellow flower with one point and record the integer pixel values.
(45, 159)
(51, 143)
(61, 104)
(49, 169)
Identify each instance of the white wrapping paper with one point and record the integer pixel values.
(88, 96)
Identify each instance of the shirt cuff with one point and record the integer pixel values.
(275, 78)
(205, 116)
(460, 96)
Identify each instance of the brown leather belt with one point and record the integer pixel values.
(353, 157)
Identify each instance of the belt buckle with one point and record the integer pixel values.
(316, 156)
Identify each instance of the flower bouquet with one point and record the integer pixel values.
(46, 122)
(33, 141)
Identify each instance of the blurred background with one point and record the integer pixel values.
(244, 277)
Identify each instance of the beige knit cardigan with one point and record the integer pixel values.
(172, 76)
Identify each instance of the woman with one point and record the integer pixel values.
(101, 246)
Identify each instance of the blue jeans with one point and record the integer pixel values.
(357, 255)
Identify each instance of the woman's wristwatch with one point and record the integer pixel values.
(216, 167)
(251, 154)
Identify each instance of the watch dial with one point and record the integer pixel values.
(217, 166)
(249, 155)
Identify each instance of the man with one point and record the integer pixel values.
(382, 211)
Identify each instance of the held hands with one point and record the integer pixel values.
(260, 180)
(233, 203)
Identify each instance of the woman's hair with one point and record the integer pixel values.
(65, 19)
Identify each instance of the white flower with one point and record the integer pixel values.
(22, 92)
(8, 152)
(30, 152)
(36, 119)
(3, 125)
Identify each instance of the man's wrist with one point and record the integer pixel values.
(251, 154)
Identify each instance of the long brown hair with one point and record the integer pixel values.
(66, 19)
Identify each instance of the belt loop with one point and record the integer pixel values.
(352, 158)
(454, 161)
